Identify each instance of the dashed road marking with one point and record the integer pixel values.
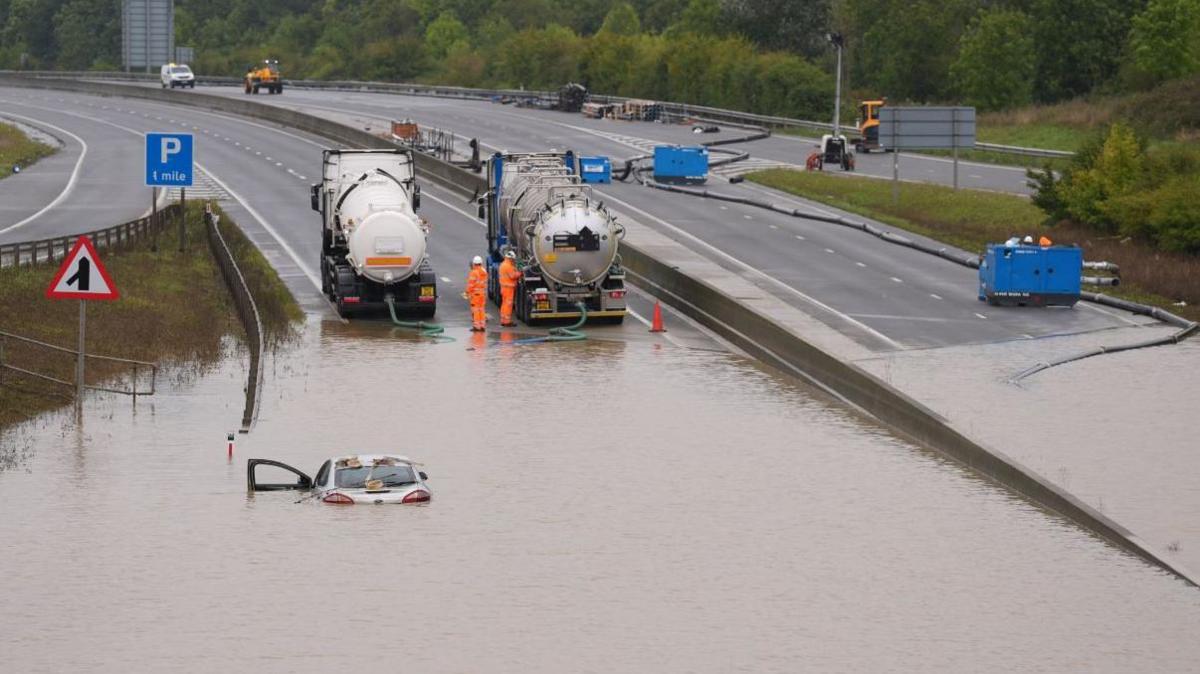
(897, 280)
(748, 217)
(860, 264)
(828, 250)
(773, 226)
(801, 238)
(935, 296)
(981, 316)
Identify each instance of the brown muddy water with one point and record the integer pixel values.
(603, 506)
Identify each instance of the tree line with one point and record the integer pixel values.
(768, 56)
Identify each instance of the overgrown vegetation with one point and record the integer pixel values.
(757, 55)
(1116, 186)
(174, 310)
(17, 149)
(969, 219)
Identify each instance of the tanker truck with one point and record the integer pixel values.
(372, 242)
(565, 239)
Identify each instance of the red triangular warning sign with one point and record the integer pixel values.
(82, 276)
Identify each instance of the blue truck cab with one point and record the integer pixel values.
(1024, 275)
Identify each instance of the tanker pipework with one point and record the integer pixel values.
(566, 241)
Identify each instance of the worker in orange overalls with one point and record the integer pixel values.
(509, 274)
(1045, 241)
(477, 282)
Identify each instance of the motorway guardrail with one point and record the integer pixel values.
(679, 110)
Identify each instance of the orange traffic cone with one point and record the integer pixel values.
(656, 325)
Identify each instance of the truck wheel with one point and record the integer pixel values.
(246, 86)
(255, 89)
(279, 89)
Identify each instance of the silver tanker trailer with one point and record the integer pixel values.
(566, 241)
(372, 242)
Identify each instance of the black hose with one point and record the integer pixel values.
(1187, 328)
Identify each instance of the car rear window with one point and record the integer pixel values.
(181, 70)
(391, 476)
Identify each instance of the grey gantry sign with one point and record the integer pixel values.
(926, 128)
(147, 34)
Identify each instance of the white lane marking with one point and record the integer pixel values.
(935, 296)
(828, 250)
(301, 177)
(773, 226)
(279, 163)
(269, 158)
(981, 316)
(897, 280)
(445, 279)
(975, 176)
(250, 209)
(1027, 336)
(308, 271)
(724, 208)
(756, 272)
(1109, 313)
(860, 264)
(66, 191)
(748, 217)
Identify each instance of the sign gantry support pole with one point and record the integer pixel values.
(895, 165)
(954, 142)
(154, 219)
(80, 357)
(182, 219)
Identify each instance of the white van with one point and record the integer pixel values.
(175, 75)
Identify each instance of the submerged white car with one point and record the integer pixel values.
(362, 478)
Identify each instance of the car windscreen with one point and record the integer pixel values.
(181, 70)
(391, 476)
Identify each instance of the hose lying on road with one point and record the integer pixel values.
(430, 330)
(571, 333)
(1187, 328)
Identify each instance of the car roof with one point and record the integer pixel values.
(369, 459)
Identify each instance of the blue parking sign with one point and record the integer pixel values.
(169, 159)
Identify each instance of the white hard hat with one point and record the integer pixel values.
(1027, 239)
(512, 255)
(477, 260)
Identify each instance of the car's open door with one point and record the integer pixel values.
(274, 473)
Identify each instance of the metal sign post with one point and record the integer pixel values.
(182, 219)
(82, 277)
(169, 164)
(924, 128)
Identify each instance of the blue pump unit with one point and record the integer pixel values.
(595, 169)
(1025, 275)
(680, 164)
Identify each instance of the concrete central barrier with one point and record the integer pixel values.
(681, 282)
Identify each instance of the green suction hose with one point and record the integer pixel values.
(430, 330)
(571, 333)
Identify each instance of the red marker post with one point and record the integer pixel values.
(82, 277)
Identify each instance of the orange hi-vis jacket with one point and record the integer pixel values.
(509, 274)
(477, 283)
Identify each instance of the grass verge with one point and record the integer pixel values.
(174, 310)
(17, 149)
(969, 219)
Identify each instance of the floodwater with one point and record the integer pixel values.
(602, 506)
(1118, 431)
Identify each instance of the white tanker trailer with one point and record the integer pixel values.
(372, 242)
(566, 241)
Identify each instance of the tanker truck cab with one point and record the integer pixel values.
(373, 243)
(565, 240)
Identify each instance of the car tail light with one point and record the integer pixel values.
(338, 497)
(616, 294)
(351, 300)
(417, 496)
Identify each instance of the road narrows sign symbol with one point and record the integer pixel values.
(82, 276)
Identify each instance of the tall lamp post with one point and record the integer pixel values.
(836, 40)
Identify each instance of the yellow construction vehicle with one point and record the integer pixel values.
(264, 75)
(868, 125)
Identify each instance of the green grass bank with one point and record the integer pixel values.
(17, 149)
(174, 310)
(969, 219)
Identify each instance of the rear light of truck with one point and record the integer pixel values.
(351, 300)
(417, 496)
(338, 497)
(541, 296)
(616, 294)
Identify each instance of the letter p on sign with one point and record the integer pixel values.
(170, 146)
